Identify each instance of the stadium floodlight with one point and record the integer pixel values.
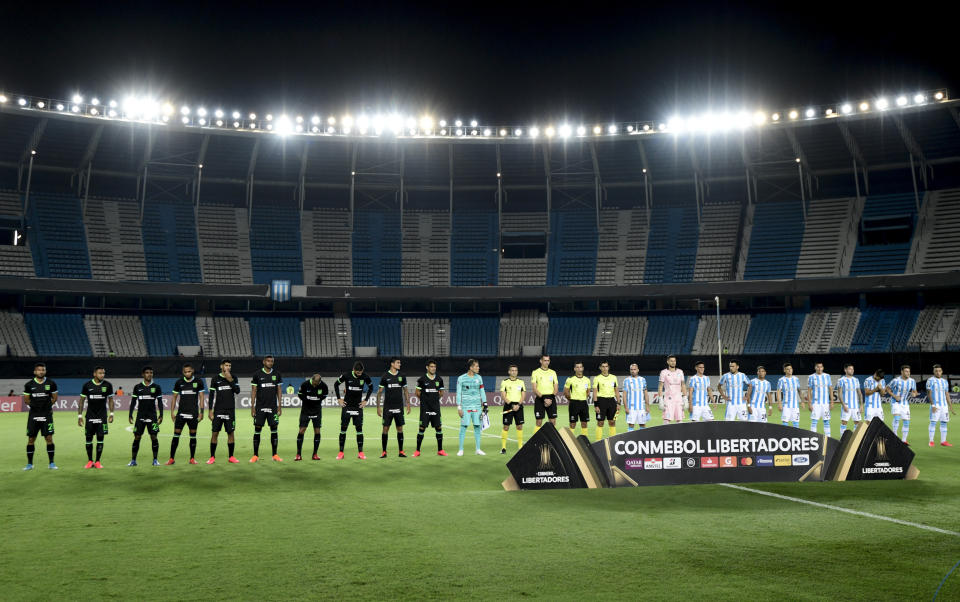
(549, 131)
(396, 124)
(630, 129)
(811, 113)
(793, 114)
(411, 123)
(299, 118)
(847, 108)
(797, 159)
(331, 120)
(426, 122)
(185, 120)
(919, 98)
(77, 98)
(564, 131)
(443, 132)
(75, 108)
(646, 127)
(165, 118)
(474, 132)
(299, 128)
(902, 101)
(581, 131)
(458, 123)
(597, 130)
(22, 102)
(675, 124)
(534, 132)
(346, 129)
(283, 126)
(95, 101)
(828, 112)
(270, 127)
(202, 112)
(612, 129)
(864, 106)
(253, 126)
(112, 104)
(59, 106)
(459, 132)
(503, 132)
(202, 121)
(775, 117)
(252, 115)
(938, 96)
(315, 120)
(167, 108)
(363, 122)
(315, 129)
(882, 103)
(112, 113)
(759, 118)
(346, 121)
(218, 113)
(236, 124)
(330, 129)
(662, 127)
(3, 99)
(41, 104)
(518, 132)
(473, 123)
(93, 111)
(487, 131)
(443, 123)
(219, 123)
(499, 174)
(184, 110)
(413, 131)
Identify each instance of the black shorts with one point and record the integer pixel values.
(185, 420)
(539, 410)
(268, 417)
(579, 411)
(96, 428)
(146, 424)
(350, 414)
(227, 422)
(514, 417)
(393, 416)
(40, 425)
(606, 408)
(315, 417)
(430, 417)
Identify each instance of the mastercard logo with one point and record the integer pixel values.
(746, 461)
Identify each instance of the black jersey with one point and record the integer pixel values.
(312, 396)
(393, 385)
(353, 388)
(41, 395)
(189, 391)
(97, 394)
(223, 394)
(267, 384)
(429, 391)
(147, 400)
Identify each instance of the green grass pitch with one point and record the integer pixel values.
(441, 528)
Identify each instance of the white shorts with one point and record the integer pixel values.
(637, 416)
(851, 414)
(790, 415)
(736, 411)
(939, 413)
(699, 413)
(900, 409)
(871, 412)
(820, 410)
(759, 414)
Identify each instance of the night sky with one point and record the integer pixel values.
(501, 64)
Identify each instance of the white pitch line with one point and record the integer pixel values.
(841, 509)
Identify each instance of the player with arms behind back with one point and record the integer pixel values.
(902, 389)
(266, 407)
(818, 396)
(788, 396)
(39, 394)
(186, 410)
(758, 392)
(940, 405)
(393, 392)
(731, 389)
(848, 392)
(636, 399)
(698, 386)
(98, 396)
(429, 389)
(147, 402)
(671, 391)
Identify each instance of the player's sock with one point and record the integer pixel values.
(943, 435)
(906, 428)
(419, 439)
(230, 448)
(439, 440)
(274, 441)
(503, 440)
(896, 423)
(383, 441)
(173, 445)
(30, 449)
(343, 439)
(400, 441)
(826, 427)
(629, 428)
(51, 447)
(519, 438)
(613, 430)
(843, 429)
(316, 443)
(359, 442)
(932, 430)
(813, 425)
(193, 445)
(213, 449)
(463, 435)
(599, 432)
(155, 446)
(256, 442)
(99, 446)
(796, 424)
(89, 444)
(536, 428)
(134, 449)
(476, 435)
(299, 443)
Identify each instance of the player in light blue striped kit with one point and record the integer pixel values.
(699, 387)
(849, 394)
(731, 389)
(759, 394)
(635, 400)
(788, 396)
(818, 396)
(471, 401)
(940, 405)
(902, 389)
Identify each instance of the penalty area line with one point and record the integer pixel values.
(842, 509)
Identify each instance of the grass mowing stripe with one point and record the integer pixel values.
(841, 509)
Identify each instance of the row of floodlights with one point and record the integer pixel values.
(135, 108)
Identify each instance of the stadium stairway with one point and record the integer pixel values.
(224, 244)
(276, 335)
(14, 334)
(426, 248)
(572, 248)
(620, 335)
(58, 237)
(170, 242)
(206, 334)
(733, 334)
(474, 336)
(275, 252)
(474, 248)
(163, 333)
(233, 336)
(326, 236)
(376, 249)
(828, 328)
(720, 225)
(933, 326)
(775, 241)
(327, 337)
(571, 335)
(830, 224)
(936, 247)
(58, 334)
(115, 335)
(885, 212)
(672, 243)
(115, 239)
(622, 246)
(426, 337)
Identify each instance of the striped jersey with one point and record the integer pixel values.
(873, 400)
(902, 387)
(937, 391)
(819, 388)
(633, 387)
(699, 390)
(733, 385)
(789, 391)
(847, 387)
(758, 396)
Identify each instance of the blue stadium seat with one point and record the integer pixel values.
(275, 250)
(58, 334)
(573, 248)
(474, 337)
(670, 334)
(672, 243)
(376, 248)
(882, 329)
(59, 239)
(279, 336)
(473, 249)
(382, 332)
(775, 241)
(170, 242)
(775, 332)
(571, 335)
(885, 212)
(164, 332)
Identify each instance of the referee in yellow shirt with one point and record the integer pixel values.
(544, 381)
(577, 389)
(605, 396)
(513, 390)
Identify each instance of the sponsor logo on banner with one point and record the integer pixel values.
(689, 462)
(709, 462)
(801, 460)
(634, 463)
(781, 460)
(746, 461)
(652, 463)
(671, 463)
(728, 461)
(764, 460)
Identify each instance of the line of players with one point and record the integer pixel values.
(189, 404)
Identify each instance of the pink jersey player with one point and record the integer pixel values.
(671, 386)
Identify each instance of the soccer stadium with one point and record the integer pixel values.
(510, 306)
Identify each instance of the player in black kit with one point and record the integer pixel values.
(393, 393)
(223, 391)
(266, 407)
(312, 393)
(98, 396)
(186, 410)
(429, 388)
(147, 401)
(352, 406)
(39, 394)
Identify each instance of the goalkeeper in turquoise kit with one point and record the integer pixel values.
(471, 403)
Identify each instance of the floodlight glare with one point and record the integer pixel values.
(3, 99)
(473, 123)
(882, 103)
(612, 129)
(185, 120)
(219, 123)
(487, 131)
(426, 122)
(218, 113)
(346, 121)
(518, 132)
(330, 129)
(331, 120)
(759, 118)
(396, 124)
(202, 121)
(864, 106)
(77, 98)
(902, 101)
(363, 122)
(347, 129)
(775, 117)
(458, 123)
(95, 102)
(202, 112)
(41, 104)
(315, 120)
(252, 116)
(534, 132)
(299, 128)
(919, 98)
(793, 114)
(93, 111)
(597, 130)
(503, 132)
(299, 118)
(846, 109)
(581, 131)
(810, 113)
(113, 104)
(184, 110)
(283, 125)
(938, 95)
(443, 123)
(549, 131)
(112, 113)
(315, 129)
(22, 102)
(411, 122)
(662, 127)
(564, 131)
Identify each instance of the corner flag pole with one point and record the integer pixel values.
(719, 345)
